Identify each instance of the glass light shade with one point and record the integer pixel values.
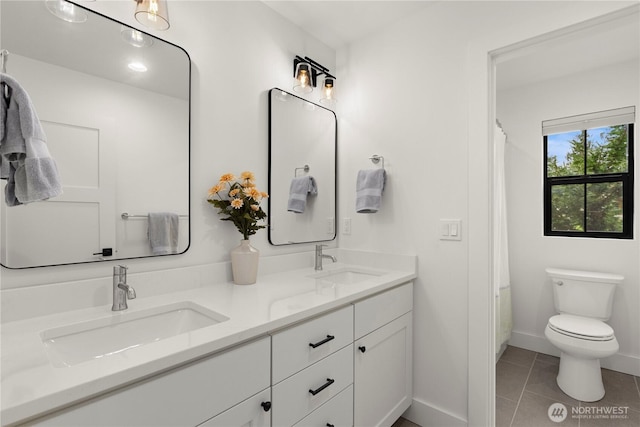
(328, 92)
(66, 11)
(135, 38)
(152, 13)
(303, 82)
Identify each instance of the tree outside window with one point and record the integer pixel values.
(589, 182)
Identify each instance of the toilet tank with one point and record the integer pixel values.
(583, 293)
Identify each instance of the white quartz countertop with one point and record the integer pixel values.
(32, 385)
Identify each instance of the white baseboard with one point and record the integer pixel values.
(618, 362)
(426, 415)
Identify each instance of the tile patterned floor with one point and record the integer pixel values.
(402, 422)
(526, 388)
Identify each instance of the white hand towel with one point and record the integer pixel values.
(369, 187)
(300, 188)
(163, 232)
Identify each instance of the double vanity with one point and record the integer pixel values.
(300, 347)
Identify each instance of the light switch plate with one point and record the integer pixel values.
(450, 229)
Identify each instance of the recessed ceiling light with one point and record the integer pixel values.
(137, 66)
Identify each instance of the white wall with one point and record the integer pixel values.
(521, 111)
(402, 98)
(406, 94)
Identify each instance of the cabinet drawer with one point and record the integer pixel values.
(336, 412)
(251, 412)
(381, 309)
(292, 398)
(185, 396)
(300, 346)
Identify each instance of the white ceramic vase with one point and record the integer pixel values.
(244, 263)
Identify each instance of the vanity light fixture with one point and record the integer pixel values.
(66, 11)
(328, 92)
(306, 72)
(152, 13)
(305, 77)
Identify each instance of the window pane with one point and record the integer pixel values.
(567, 207)
(565, 154)
(604, 207)
(607, 149)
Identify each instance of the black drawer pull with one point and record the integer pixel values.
(319, 343)
(330, 425)
(362, 348)
(266, 406)
(322, 387)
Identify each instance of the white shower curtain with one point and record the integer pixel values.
(502, 280)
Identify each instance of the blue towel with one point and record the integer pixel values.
(369, 187)
(300, 188)
(25, 161)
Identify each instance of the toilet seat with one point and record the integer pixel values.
(581, 327)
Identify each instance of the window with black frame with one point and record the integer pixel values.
(588, 175)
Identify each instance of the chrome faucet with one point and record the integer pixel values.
(320, 255)
(121, 291)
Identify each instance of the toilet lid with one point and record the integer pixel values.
(581, 327)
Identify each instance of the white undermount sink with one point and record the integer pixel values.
(80, 342)
(347, 275)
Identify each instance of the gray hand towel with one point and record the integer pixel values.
(300, 188)
(369, 187)
(32, 174)
(4, 163)
(163, 232)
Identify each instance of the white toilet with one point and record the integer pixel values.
(584, 300)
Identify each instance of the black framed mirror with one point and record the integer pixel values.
(302, 170)
(114, 103)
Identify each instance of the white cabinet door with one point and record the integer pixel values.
(253, 412)
(383, 373)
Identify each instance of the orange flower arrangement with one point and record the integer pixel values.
(240, 202)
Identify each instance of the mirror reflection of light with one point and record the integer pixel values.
(282, 96)
(135, 38)
(137, 66)
(66, 11)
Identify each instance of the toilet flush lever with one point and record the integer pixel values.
(559, 282)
